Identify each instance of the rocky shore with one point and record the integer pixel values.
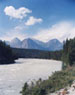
(66, 91)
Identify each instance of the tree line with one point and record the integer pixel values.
(33, 53)
(68, 56)
(6, 54)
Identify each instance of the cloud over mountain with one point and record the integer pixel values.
(16, 13)
(61, 31)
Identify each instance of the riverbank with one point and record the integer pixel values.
(57, 81)
(5, 61)
(70, 90)
(6, 54)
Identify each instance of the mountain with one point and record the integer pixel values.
(39, 42)
(15, 43)
(29, 43)
(7, 42)
(54, 44)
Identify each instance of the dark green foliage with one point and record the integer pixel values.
(30, 53)
(6, 55)
(57, 81)
(56, 55)
(69, 52)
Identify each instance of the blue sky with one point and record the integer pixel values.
(39, 19)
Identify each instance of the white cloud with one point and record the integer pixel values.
(61, 31)
(9, 37)
(16, 13)
(15, 32)
(19, 28)
(32, 20)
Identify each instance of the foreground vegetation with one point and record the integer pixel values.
(57, 81)
(6, 55)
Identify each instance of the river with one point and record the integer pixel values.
(13, 76)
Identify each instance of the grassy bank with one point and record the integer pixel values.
(57, 81)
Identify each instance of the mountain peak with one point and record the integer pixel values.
(27, 39)
(15, 43)
(54, 44)
(54, 40)
(15, 39)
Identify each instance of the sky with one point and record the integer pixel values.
(39, 19)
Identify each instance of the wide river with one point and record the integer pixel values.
(13, 76)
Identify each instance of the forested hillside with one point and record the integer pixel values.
(6, 55)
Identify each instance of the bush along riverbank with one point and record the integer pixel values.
(58, 80)
(6, 55)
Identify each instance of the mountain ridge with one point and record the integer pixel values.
(30, 43)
